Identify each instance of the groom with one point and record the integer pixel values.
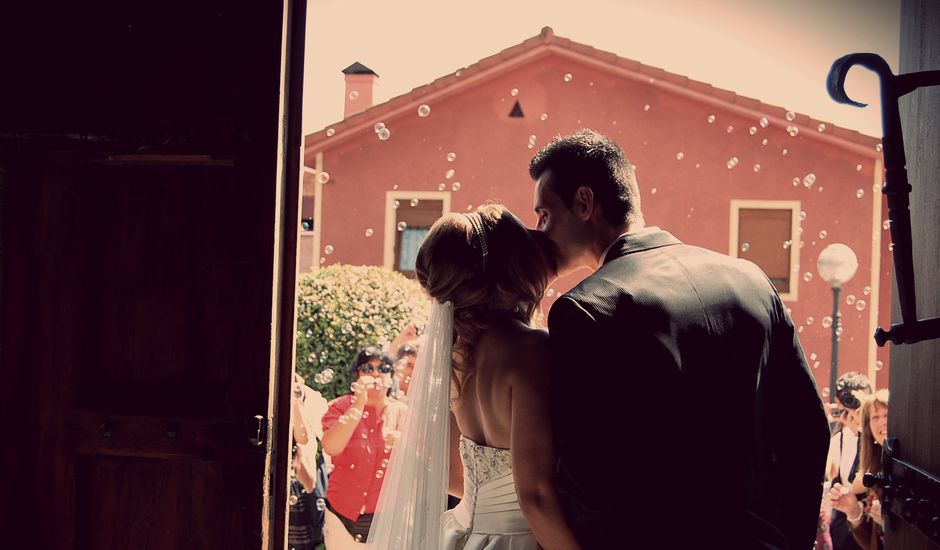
(685, 415)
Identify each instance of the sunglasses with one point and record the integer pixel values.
(369, 369)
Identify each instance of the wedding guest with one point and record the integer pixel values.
(360, 429)
(308, 477)
(843, 450)
(864, 517)
(404, 368)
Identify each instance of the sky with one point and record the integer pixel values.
(776, 51)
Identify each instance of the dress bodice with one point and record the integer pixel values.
(482, 463)
(489, 516)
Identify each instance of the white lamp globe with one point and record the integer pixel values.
(837, 264)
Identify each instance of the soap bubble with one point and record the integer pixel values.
(378, 126)
(850, 299)
(323, 177)
(330, 132)
(328, 249)
(455, 186)
(680, 155)
(568, 77)
(384, 134)
(764, 122)
(451, 157)
(646, 107)
(808, 276)
(514, 92)
(370, 232)
(859, 193)
(860, 305)
(402, 226)
(752, 130)
(732, 162)
(821, 128)
(745, 247)
(711, 119)
(792, 130)
(790, 116)
(757, 167)
(414, 202)
(424, 110)
(353, 94)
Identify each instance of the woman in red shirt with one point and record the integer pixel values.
(359, 429)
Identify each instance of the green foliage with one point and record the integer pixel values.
(342, 309)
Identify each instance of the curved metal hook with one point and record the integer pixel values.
(835, 82)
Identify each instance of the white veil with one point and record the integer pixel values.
(414, 495)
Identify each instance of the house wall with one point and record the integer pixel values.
(689, 196)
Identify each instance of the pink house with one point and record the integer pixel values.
(716, 169)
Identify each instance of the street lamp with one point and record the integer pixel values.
(836, 265)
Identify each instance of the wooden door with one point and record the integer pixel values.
(915, 369)
(149, 256)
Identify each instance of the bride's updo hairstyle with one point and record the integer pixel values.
(489, 266)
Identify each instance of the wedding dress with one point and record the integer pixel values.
(488, 517)
(411, 510)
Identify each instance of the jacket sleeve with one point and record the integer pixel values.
(795, 433)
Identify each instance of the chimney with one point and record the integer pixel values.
(360, 83)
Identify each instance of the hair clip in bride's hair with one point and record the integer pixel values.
(477, 222)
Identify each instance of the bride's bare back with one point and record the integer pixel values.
(509, 357)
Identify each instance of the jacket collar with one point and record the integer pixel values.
(644, 239)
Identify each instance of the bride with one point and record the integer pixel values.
(486, 273)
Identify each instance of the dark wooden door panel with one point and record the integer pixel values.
(148, 274)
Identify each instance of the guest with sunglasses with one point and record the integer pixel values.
(359, 430)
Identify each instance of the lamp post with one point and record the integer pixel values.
(836, 265)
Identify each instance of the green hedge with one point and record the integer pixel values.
(343, 308)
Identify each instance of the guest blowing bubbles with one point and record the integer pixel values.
(360, 429)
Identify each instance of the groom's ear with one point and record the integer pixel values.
(583, 203)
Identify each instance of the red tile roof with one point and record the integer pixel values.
(547, 42)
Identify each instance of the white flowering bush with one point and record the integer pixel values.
(343, 308)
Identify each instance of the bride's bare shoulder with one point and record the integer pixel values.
(514, 347)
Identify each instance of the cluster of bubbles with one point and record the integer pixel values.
(732, 162)
(324, 377)
(532, 139)
(382, 131)
(449, 174)
(859, 193)
(514, 92)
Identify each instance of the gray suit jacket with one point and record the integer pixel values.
(683, 403)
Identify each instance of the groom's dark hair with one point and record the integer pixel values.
(591, 159)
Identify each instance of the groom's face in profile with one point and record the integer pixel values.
(559, 223)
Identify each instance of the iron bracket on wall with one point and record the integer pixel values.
(907, 492)
(910, 329)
